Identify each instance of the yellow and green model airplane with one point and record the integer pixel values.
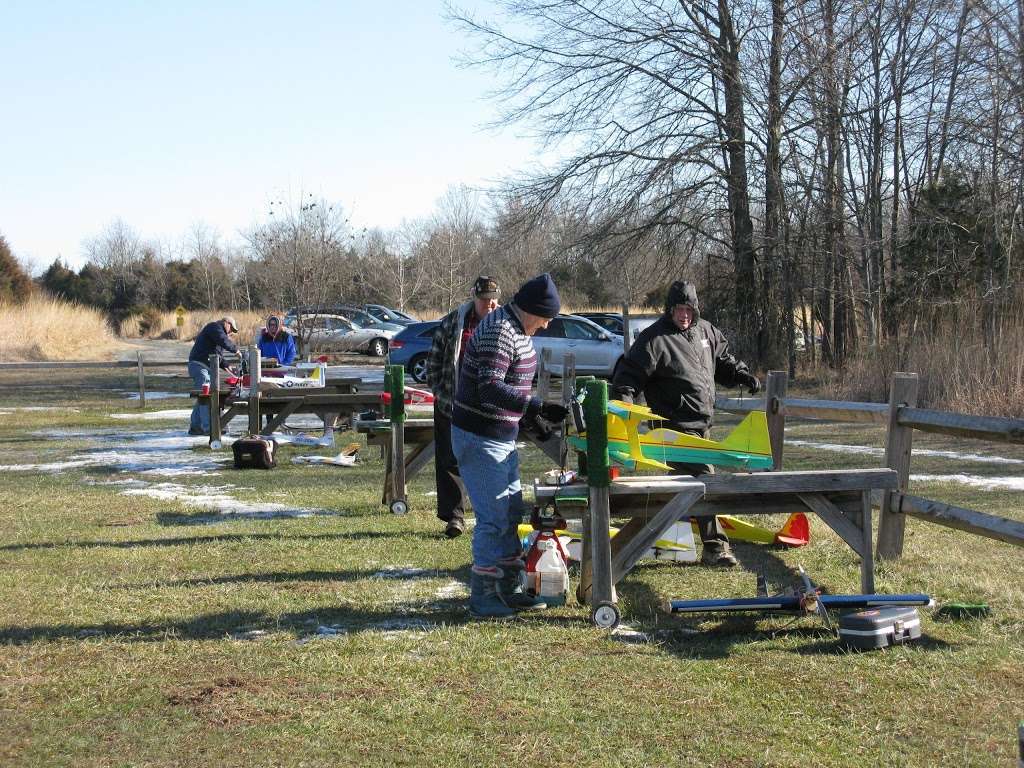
(746, 447)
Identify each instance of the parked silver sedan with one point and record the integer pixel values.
(336, 333)
(597, 351)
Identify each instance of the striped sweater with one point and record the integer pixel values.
(496, 378)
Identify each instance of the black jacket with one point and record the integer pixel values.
(213, 338)
(677, 370)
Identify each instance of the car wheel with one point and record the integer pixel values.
(378, 347)
(418, 369)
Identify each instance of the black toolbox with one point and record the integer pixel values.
(880, 627)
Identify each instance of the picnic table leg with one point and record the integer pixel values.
(867, 560)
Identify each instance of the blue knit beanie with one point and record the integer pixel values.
(539, 296)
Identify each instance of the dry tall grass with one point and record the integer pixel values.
(165, 325)
(49, 329)
(957, 373)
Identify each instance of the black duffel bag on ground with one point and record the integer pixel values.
(254, 453)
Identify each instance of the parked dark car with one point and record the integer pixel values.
(410, 348)
(389, 315)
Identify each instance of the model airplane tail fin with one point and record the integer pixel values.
(751, 436)
(796, 532)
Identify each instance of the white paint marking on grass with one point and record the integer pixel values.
(875, 451)
(975, 481)
(173, 413)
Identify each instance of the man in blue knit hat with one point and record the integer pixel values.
(494, 395)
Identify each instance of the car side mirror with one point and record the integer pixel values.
(605, 337)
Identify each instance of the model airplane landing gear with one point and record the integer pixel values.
(399, 507)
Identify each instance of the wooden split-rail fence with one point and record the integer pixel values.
(902, 418)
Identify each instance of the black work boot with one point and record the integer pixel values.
(455, 528)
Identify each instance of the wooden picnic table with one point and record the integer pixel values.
(841, 498)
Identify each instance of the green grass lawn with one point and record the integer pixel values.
(140, 631)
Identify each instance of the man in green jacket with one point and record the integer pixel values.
(449, 344)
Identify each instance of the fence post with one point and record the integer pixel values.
(775, 413)
(899, 440)
(625, 328)
(142, 383)
(214, 402)
(254, 390)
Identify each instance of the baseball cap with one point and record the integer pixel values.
(230, 321)
(486, 288)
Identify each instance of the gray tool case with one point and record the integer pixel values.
(880, 627)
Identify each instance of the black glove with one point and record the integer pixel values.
(536, 428)
(553, 412)
(748, 380)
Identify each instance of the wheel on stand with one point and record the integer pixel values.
(399, 507)
(605, 615)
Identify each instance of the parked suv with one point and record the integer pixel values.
(597, 351)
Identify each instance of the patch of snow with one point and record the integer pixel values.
(55, 466)
(975, 481)
(389, 627)
(31, 408)
(214, 499)
(874, 451)
(626, 634)
(174, 413)
(155, 395)
(401, 572)
(452, 591)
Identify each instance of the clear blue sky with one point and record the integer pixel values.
(165, 114)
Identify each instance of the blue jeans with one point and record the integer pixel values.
(490, 470)
(200, 413)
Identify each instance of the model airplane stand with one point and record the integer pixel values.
(336, 399)
(407, 444)
(841, 498)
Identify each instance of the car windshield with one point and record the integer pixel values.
(360, 318)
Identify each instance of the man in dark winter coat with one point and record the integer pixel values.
(675, 364)
(451, 338)
(213, 338)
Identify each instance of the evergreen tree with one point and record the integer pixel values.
(15, 285)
